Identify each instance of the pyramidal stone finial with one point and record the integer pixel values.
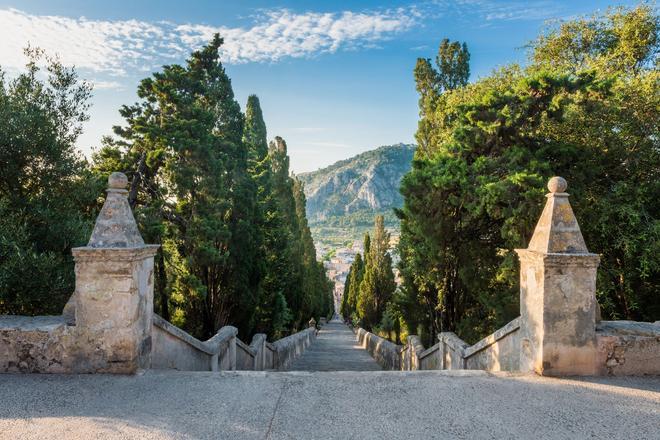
(115, 226)
(557, 231)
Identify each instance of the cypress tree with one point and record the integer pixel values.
(344, 310)
(353, 281)
(286, 206)
(272, 313)
(377, 286)
(183, 147)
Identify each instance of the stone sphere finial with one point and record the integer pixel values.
(117, 181)
(557, 185)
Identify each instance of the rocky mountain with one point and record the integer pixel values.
(349, 193)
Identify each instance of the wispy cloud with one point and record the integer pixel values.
(117, 47)
(500, 10)
(107, 85)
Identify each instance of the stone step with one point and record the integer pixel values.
(335, 349)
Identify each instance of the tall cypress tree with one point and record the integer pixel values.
(317, 291)
(286, 204)
(377, 286)
(352, 287)
(344, 308)
(272, 313)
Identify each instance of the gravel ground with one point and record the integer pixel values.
(326, 405)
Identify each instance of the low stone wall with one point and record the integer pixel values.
(626, 348)
(410, 353)
(38, 344)
(173, 348)
(497, 352)
(429, 359)
(176, 350)
(289, 348)
(452, 351)
(387, 354)
(245, 356)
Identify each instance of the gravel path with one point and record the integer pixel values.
(335, 349)
(326, 405)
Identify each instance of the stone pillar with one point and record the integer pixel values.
(558, 293)
(113, 302)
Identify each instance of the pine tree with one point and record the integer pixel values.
(473, 192)
(453, 62)
(183, 147)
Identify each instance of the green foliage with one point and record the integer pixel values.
(391, 322)
(47, 196)
(272, 314)
(204, 185)
(352, 288)
(377, 285)
(475, 190)
(453, 61)
(317, 289)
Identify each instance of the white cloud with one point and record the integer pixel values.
(116, 47)
(107, 85)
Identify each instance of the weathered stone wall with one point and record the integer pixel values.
(429, 359)
(258, 347)
(497, 352)
(387, 354)
(176, 350)
(452, 351)
(289, 348)
(411, 352)
(245, 357)
(40, 344)
(173, 348)
(628, 348)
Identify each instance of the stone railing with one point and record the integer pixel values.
(496, 352)
(175, 349)
(386, 353)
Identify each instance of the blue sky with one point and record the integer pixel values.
(334, 78)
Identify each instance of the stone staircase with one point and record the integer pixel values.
(335, 349)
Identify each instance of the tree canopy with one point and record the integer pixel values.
(586, 108)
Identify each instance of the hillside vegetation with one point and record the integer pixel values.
(344, 198)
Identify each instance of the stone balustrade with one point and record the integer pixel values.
(175, 349)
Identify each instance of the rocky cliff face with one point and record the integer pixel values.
(367, 183)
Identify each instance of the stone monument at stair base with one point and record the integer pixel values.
(113, 300)
(106, 324)
(558, 293)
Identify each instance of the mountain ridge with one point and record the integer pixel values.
(343, 198)
(369, 180)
